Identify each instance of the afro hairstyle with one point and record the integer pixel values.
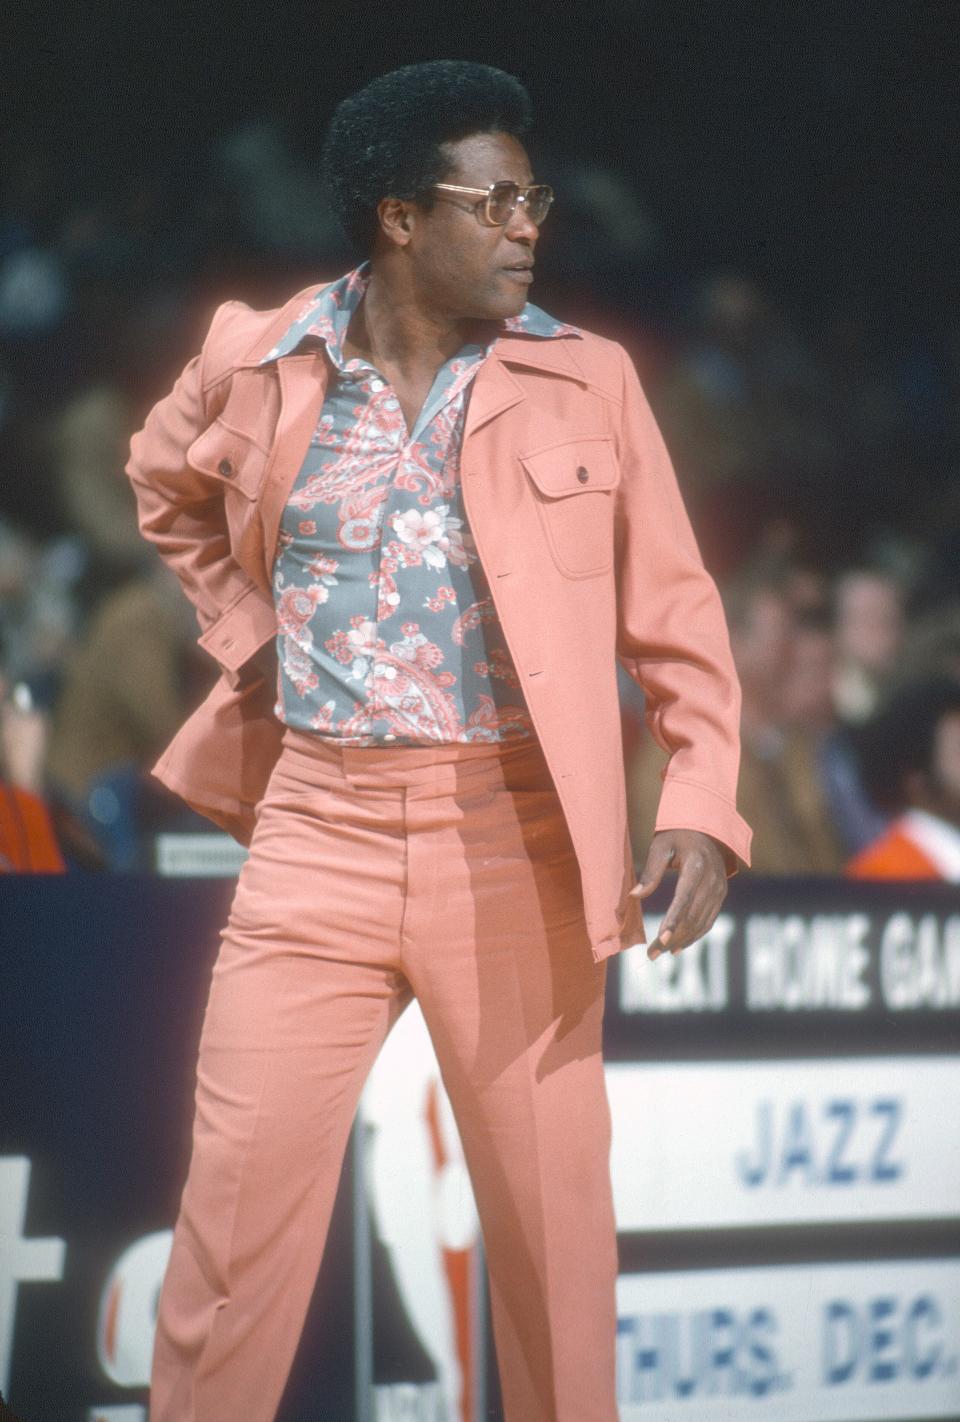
(386, 140)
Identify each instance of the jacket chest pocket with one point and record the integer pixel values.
(573, 485)
(231, 458)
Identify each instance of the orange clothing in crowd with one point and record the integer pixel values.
(28, 844)
(914, 847)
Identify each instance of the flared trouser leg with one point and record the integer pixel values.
(373, 874)
(514, 1006)
(302, 996)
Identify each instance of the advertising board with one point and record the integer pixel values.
(853, 1342)
(785, 1097)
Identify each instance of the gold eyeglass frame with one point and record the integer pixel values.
(487, 193)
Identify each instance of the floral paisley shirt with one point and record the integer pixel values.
(387, 632)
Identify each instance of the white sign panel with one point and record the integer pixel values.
(803, 962)
(709, 1145)
(835, 1342)
(693, 981)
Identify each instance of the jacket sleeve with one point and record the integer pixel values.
(672, 636)
(181, 511)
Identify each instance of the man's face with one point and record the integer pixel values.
(869, 620)
(763, 646)
(462, 268)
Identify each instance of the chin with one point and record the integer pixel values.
(504, 306)
(497, 304)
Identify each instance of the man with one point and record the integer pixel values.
(28, 840)
(870, 627)
(783, 791)
(130, 681)
(910, 755)
(451, 513)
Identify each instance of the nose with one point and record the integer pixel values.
(520, 228)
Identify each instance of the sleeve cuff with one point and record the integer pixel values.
(241, 630)
(687, 805)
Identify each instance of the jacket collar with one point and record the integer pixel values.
(534, 338)
(556, 357)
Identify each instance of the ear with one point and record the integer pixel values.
(396, 219)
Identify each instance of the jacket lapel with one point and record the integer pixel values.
(281, 323)
(497, 389)
(303, 384)
(555, 356)
(493, 390)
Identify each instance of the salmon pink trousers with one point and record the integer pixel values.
(445, 873)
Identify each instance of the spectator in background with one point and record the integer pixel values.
(271, 198)
(783, 662)
(38, 612)
(810, 712)
(129, 684)
(870, 623)
(37, 622)
(88, 441)
(743, 399)
(910, 753)
(933, 645)
(28, 843)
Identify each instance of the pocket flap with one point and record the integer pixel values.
(230, 456)
(574, 466)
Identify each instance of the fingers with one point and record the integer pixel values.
(674, 924)
(699, 895)
(700, 916)
(700, 891)
(658, 862)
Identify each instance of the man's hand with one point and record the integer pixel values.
(701, 886)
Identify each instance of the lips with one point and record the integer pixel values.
(522, 271)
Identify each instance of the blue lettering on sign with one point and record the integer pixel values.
(839, 1170)
(706, 1353)
(845, 1142)
(841, 1342)
(797, 1152)
(889, 1112)
(923, 1317)
(881, 1340)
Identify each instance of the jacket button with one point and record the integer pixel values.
(582, 474)
(225, 468)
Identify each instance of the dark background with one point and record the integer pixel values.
(759, 200)
(811, 148)
(814, 146)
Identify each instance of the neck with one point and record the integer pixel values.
(394, 326)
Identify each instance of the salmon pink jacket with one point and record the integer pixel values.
(579, 525)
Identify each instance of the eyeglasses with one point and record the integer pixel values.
(501, 201)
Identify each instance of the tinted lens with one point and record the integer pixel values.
(537, 202)
(501, 202)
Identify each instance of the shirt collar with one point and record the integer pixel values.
(327, 314)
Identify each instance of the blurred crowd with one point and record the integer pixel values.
(850, 724)
(817, 458)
